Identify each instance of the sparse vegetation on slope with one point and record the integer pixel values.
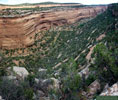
(64, 53)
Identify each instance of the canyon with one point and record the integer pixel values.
(19, 31)
(58, 52)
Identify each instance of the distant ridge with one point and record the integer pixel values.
(27, 4)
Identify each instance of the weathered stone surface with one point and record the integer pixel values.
(84, 72)
(1, 98)
(19, 72)
(111, 91)
(36, 80)
(40, 93)
(93, 88)
(48, 84)
(55, 83)
(51, 83)
(10, 77)
(42, 70)
(35, 22)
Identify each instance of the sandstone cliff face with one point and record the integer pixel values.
(17, 32)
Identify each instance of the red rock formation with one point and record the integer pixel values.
(16, 32)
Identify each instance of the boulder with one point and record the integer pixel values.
(36, 80)
(48, 84)
(40, 93)
(57, 72)
(19, 72)
(10, 77)
(55, 83)
(93, 89)
(1, 98)
(110, 91)
(41, 70)
(85, 72)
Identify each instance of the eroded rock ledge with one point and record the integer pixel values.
(19, 32)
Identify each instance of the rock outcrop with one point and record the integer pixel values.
(93, 88)
(111, 91)
(1, 98)
(18, 32)
(17, 72)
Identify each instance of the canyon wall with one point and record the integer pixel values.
(19, 32)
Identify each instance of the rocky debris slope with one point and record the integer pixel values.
(43, 85)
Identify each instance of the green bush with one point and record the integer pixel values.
(28, 93)
(15, 90)
(90, 79)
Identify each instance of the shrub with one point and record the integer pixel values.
(15, 90)
(90, 79)
(28, 93)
